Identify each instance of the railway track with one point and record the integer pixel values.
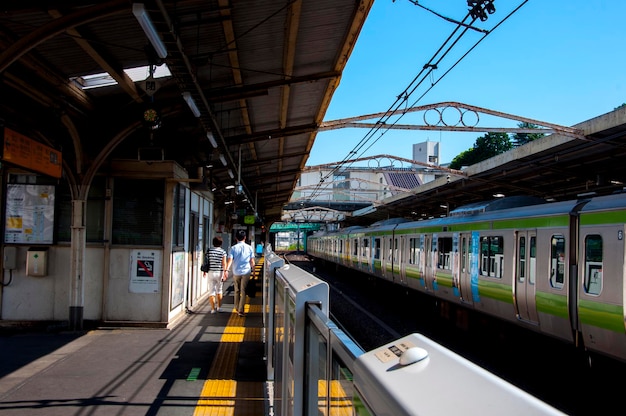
(375, 312)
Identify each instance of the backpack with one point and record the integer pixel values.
(205, 263)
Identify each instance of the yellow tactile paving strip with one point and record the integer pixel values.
(221, 394)
(340, 402)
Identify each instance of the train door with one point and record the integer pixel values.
(367, 261)
(404, 258)
(377, 262)
(430, 258)
(525, 276)
(465, 280)
(386, 253)
(395, 259)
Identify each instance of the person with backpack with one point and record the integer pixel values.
(215, 265)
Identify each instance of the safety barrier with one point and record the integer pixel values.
(314, 367)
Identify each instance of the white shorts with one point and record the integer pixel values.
(215, 282)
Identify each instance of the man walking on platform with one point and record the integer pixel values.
(215, 265)
(241, 257)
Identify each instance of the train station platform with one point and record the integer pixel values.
(209, 364)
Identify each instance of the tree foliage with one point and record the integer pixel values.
(520, 139)
(492, 144)
(489, 145)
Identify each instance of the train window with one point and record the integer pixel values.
(389, 251)
(445, 251)
(355, 250)
(557, 261)
(414, 251)
(340, 246)
(463, 254)
(395, 250)
(521, 260)
(365, 248)
(491, 256)
(592, 283)
(533, 260)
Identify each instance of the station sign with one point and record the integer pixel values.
(23, 151)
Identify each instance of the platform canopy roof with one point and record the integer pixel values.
(250, 83)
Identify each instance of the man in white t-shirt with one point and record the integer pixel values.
(241, 257)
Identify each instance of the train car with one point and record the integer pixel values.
(555, 268)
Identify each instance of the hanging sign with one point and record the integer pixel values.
(28, 153)
(150, 85)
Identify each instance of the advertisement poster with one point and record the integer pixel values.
(178, 278)
(29, 214)
(145, 271)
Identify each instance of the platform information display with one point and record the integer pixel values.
(29, 214)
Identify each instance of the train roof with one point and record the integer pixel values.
(536, 210)
(496, 210)
(599, 203)
(497, 204)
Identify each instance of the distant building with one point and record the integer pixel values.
(380, 178)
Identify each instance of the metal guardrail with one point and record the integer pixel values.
(314, 367)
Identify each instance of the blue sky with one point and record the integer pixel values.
(561, 62)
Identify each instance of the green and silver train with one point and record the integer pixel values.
(557, 268)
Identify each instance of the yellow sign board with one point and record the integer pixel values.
(28, 153)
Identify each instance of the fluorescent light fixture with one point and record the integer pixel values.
(230, 187)
(209, 136)
(191, 103)
(223, 159)
(231, 174)
(142, 17)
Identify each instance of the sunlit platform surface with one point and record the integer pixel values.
(209, 364)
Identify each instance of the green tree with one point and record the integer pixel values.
(489, 145)
(523, 138)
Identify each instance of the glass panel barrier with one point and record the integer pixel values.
(330, 358)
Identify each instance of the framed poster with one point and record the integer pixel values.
(178, 279)
(29, 214)
(145, 271)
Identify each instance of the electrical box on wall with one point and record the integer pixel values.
(10, 258)
(37, 262)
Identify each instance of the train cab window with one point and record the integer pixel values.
(445, 252)
(557, 261)
(491, 256)
(592, 280)
(377, 248)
